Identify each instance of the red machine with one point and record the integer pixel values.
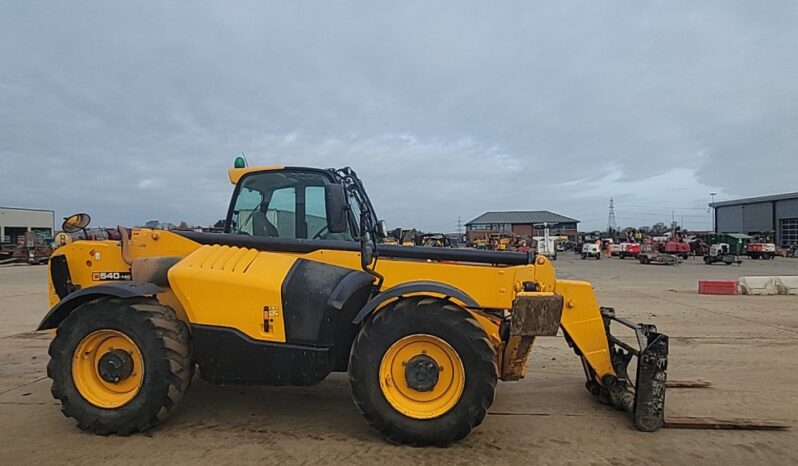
(677, 248)
(629, 250)
(761, 250)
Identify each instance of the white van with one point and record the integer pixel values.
(591, 250)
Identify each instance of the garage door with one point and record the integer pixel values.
(788, 229)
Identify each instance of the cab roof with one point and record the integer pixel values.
(235, 174)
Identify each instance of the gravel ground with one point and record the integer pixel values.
(744, 345)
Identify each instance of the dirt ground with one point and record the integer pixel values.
(745, 345)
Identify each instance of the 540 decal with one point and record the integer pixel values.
(111, 276)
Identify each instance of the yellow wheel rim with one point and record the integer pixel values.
(434, 396)
(92, 353)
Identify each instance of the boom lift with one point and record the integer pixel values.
(297, 287)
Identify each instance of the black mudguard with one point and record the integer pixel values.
(414, 287)
(122, 289)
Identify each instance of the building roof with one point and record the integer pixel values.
(522, 217)
(754, 200)
(23, 208)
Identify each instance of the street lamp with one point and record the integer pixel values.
(712, 195)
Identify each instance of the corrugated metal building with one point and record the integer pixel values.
(776, 215)
(524, 223)
(14, 222)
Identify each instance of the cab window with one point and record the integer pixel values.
(283, 204)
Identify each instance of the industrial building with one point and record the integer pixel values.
(775, 216)
(14, 222)
(524, 223)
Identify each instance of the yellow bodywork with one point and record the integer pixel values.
(240, 288)
(583, 322)
(235, 174)
(243, 282)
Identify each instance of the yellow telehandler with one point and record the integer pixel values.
(297, 287)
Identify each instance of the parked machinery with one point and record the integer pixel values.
(676, 248)
(591, 250)
(546, 244)
(761, 250)
(650, 254)
(34, 248)
(721, 253)
(628, 250)
(424, 333)
(434, 240)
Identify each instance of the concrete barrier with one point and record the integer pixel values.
(787, 285)
(758, 285)
(722, 287)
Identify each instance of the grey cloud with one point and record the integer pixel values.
(134, 111)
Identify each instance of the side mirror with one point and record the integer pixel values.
(381, 230)
(75, 223)
(335, 202)
(366, 256)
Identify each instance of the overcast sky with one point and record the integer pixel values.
(133, 111)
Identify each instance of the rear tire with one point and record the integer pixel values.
(161, 342)
(422, 317)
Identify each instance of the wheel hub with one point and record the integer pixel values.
(421, 373)
(107, 368)
(115, 365)
(422, 376)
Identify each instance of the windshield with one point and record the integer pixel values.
(283, 204)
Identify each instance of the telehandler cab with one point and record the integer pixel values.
(299, 286)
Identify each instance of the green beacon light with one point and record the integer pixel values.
(240, 162)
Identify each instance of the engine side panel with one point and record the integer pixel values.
(235, 288)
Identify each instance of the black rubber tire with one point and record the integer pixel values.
(422, 315)
(584, 256)
(165, 347)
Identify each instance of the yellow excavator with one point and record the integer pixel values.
(298, 286)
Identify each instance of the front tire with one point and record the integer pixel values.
(442, 399)
(119, 366)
